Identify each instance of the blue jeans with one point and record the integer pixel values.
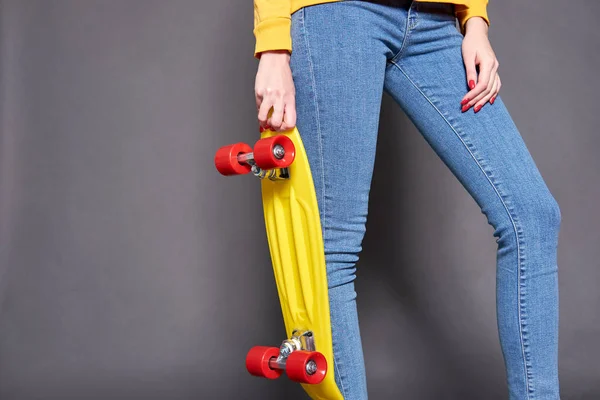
(345, 55)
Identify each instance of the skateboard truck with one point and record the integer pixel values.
(272, 174)
(296, 356)
(301, 340)
(270, 158)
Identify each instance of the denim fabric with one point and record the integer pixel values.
(345, 55)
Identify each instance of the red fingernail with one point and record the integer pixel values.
(261, 129)
(465, 101)
(465, 108)
(471, 84)
(477, 108)
(493, 100)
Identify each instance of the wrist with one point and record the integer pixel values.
(275, 55)
(476, 25)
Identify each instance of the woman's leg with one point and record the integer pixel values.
(338, 64)
(487, 154)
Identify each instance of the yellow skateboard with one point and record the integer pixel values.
(296, 245)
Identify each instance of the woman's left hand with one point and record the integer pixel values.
(477, 52)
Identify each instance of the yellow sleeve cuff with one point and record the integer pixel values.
(474, 9)
(273, 34)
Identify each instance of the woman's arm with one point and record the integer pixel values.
(274, 87)
(475, 8)
(272, 23)
(480, 62)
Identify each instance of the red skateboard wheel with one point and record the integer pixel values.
(257, 362)
(297, 362)
(264, 152)
(226, 159)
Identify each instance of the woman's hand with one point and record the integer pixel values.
(477, 52)
(275, 92)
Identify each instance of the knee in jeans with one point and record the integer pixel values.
(341, 269)
(537, 217)
(343, 244)
(546, 213)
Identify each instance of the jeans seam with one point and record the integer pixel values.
(316, 106)
(407, 31)
(516, 228)
(320, 141)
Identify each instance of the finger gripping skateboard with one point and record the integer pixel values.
(296, 245)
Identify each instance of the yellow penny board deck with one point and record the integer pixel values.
(296, 246)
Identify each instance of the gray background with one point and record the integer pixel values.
(129, 269)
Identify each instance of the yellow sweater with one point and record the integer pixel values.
(272, 19)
